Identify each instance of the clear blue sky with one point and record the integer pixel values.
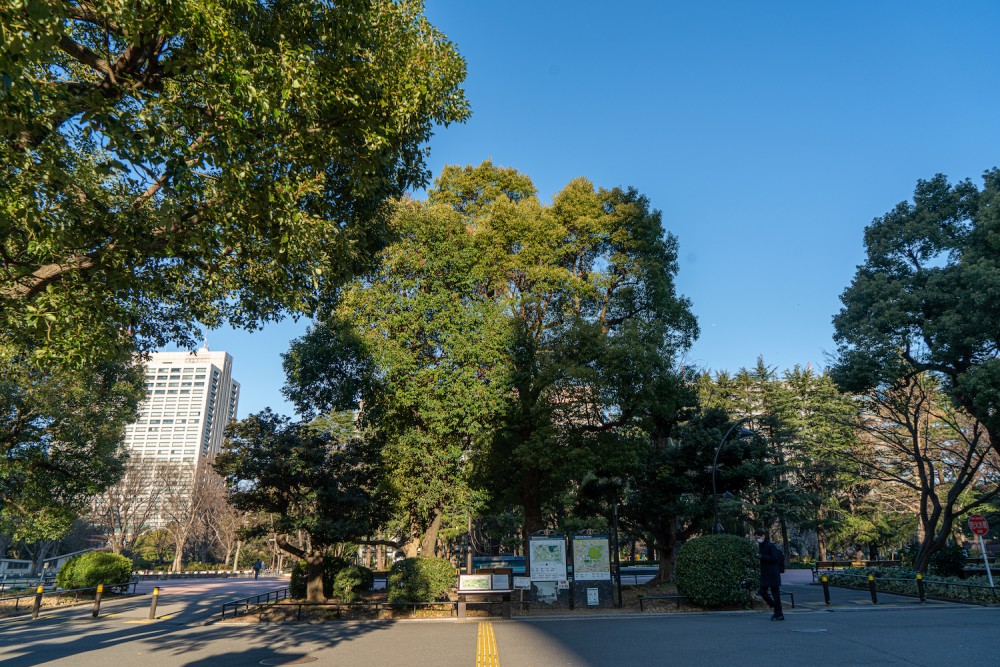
(768, 133)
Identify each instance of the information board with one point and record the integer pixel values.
(547, 558)
(474, 582)
(591, 559)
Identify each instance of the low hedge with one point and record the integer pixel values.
(903, 581)
(351, 581)
(420, 580)
(94, 568)
(717, 570)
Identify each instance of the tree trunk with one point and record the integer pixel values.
(531, 497)
(821, 542)
(314, 576)
(666, 544)
(428, 545)
(236, 558)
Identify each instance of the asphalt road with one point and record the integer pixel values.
(897, 632)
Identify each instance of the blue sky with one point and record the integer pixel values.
(768, 133)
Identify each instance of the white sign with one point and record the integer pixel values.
(474, 582)
(522, 583)
(501, 582)
(548, 559)
(591, 559)
(592, 598)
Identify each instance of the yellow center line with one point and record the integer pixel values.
(486, 646)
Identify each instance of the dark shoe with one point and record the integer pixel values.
(778, 618)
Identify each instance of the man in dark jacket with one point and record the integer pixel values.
(772, 562)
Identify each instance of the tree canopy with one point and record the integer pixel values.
(925, 300)
(321, 481)
(61, 439)
(169, 164)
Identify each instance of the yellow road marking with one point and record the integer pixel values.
(486, 646)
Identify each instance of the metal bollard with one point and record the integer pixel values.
(152, 606)
(826, 590)
(38, 601)
(97, 600)
(920, 588)
(871, 588)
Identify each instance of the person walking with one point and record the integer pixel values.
(257, 566)
(772, 563)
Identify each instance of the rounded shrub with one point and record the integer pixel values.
(420, 580)
(948, 561)
(351, 581)
(717, 570)
(331, 566)
(97, 567)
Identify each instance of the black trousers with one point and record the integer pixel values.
(766, 593)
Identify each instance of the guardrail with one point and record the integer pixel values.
(919, 582)
(256, 601)
(38, 596)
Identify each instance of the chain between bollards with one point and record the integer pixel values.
(920, 588)
(826, 589)
(152, 606)
(38, 601)
(97, 600)
(871, 588)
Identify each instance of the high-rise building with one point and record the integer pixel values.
(190, 398)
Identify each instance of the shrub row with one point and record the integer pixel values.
(903, 581)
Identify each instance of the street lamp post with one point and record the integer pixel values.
(717, 527)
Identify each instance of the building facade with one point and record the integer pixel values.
(190, 398)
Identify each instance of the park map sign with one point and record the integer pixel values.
(547, 559)
(591, 559)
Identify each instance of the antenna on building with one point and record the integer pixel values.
(204, 343)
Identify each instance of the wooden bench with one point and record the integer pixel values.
(646, 598)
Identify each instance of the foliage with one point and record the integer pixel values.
(671, 494)
(165, 164)
(925, 298)
(93, 568)
(323, 483)
(948, 561)
(518, 337)
(332, 565)
(420, 580)
(717, 570)
(61, 436)
(351, 581)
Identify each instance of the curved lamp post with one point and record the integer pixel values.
(717, 527)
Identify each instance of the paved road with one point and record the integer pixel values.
(854, 632)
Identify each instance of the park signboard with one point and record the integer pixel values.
(547, 558)
(591, 559)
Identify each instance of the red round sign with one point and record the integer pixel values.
(978, 524)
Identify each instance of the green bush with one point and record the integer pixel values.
(716, 570)
(351, 581)
(420, 580)
(948, 562)
(331, 566)
(97, 567)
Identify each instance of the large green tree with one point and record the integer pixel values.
(322, 480)
(926, 298)
(418, 347)
(587, 284)
(62, 432)
(164, 164)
